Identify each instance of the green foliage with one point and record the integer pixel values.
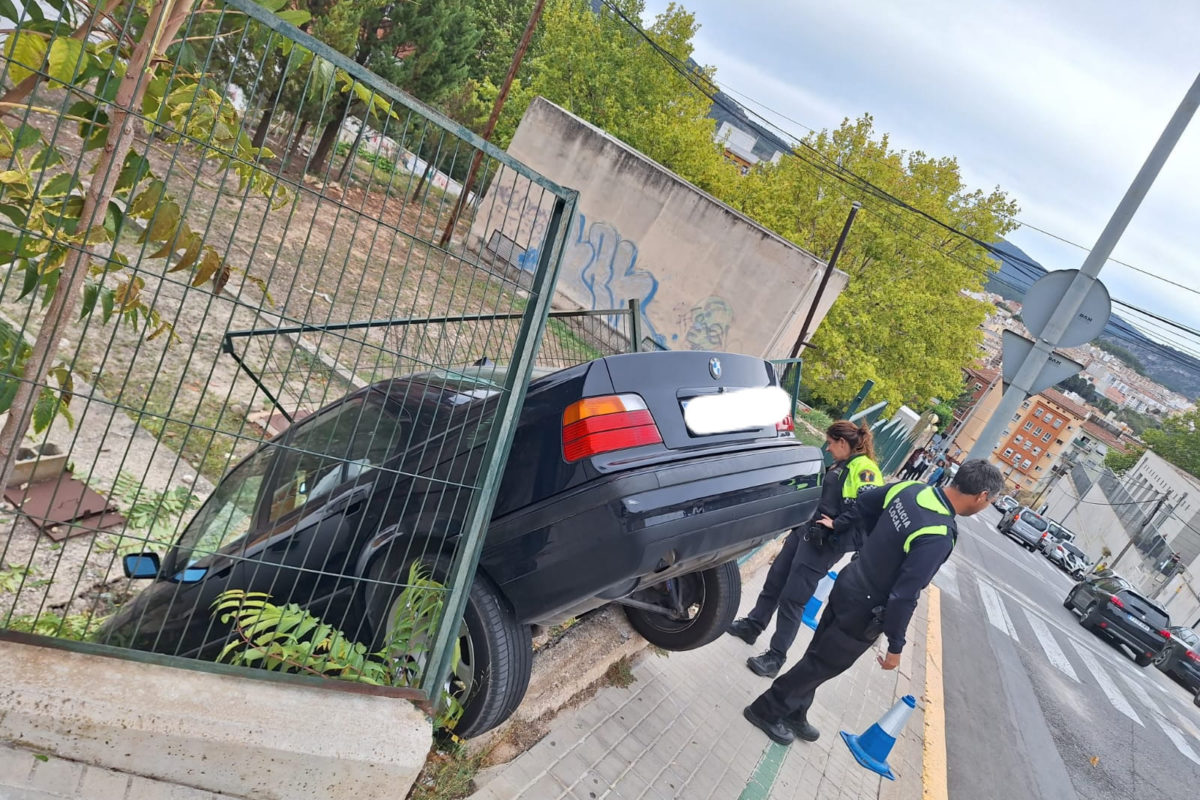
(1080, 386)
(1125, 355)
(1178, 441)
(155, 513)
(290, 639)
(1139, 423)
(1119, 462)
(77, 627)
(16, 576)
(902, 320)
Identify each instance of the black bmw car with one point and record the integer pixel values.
(635, 479)
(1109, 606)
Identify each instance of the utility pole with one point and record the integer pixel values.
(816, 301)
(1142, 531)
(1082, 284)
(490, 127)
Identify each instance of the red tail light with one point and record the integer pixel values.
(786, 426)
(604, 424)
(1165, 634)
(1193, 655)
(1116, 601)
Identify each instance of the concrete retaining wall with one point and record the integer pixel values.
(238, 736)
(707, 277)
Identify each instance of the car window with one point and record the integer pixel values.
(1155, 615)
(228, 515)
(329, 450)
(1188, 636)
(1033, 520)
(1072, 549)
(1111, 585)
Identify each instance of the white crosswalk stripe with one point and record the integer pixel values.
(996, 613)
(1106, 684)
(1050, 645)
(1139, 692)
(1177, 739)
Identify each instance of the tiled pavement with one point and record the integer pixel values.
(678, 732)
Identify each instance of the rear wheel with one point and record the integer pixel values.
(495, 653)
(1165, 659)
(1142, 661)
(697, 608)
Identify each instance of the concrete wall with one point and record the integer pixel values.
(708, 278)
(238, 736)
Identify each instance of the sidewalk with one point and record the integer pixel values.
(678, 732)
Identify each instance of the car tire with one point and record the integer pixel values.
(1069, 600)
(712, 596)
(495, 652)
(1090, 616)
(1143, 661)
(1165, 659)
(1196, 699)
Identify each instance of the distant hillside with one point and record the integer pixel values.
(1177, 371)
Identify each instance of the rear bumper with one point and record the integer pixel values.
(1024, 535)
(1117, 626)
(635, 528)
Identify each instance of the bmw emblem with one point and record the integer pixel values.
(714, 367)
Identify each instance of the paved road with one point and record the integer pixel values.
(1032, 698)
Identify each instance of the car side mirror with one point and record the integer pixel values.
(141, 565)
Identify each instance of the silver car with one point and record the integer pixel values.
(1025, 525)
(1069, 558)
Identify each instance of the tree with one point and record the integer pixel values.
(902, 321)
(595, 66)
(1178, 441)
(1123, 354)
(1119, 462)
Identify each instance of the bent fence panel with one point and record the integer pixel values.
(171, 175)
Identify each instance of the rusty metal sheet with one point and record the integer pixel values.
(54, 503)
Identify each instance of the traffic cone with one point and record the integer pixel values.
(812, 609)
(871, 749)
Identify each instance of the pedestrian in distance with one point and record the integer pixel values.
(809, 552)
(911, 532)
(935, 477)
(914, 466)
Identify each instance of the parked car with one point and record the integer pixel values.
(1005, 503)
(1068, 558)
(1180, 657)
(1053, 534)
(1109, 606)
(1024, 525)
(636, 479)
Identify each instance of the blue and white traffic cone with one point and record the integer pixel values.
(871, 749)
(812, 609)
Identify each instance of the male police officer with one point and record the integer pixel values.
(911, 532)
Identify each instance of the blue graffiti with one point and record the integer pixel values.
(602, 266)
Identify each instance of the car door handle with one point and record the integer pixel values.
(348, 503)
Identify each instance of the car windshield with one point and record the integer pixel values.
(1188, 637)
(1073, 550)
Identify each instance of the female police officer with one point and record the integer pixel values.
(809, 552)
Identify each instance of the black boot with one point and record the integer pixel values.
(767, 664)
(776, 731)
(803, 729)
(745, 629)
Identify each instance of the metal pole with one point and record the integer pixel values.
(490, 127)
(837, 251)
(1018, 390)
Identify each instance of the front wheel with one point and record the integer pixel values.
(1069, 601)
(1091, 616)
(494, 656)
(1165, 659)
(697, 608)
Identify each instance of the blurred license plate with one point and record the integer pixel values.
(737, 410)
(1138, 622)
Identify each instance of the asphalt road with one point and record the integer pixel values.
(1038, 707)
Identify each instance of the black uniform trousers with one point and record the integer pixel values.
(847, 630)
(790, 583)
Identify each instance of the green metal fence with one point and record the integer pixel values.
(170, 176)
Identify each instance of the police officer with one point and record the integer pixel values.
(809, 552)
(911, 532)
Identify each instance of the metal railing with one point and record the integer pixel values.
(254, 179)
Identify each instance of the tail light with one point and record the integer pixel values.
(1116, 601)
(604, 424)
(786, 426)
(1193, 655)
(1165, 634)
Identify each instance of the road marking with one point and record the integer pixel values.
(1107, 686)
(1050, 645)
(1139, 692)
(934, 764)
(995, 611)
(947, 580)
(760, 783)
(1177, 739)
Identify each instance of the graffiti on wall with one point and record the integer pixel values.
(705, 326)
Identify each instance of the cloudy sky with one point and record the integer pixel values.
(1057, 103)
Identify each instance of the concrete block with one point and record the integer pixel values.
(103, 784)
(239, 736)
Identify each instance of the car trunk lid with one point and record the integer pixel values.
(703, 399)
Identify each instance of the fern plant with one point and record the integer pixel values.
(78, 627)
(290, 639)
